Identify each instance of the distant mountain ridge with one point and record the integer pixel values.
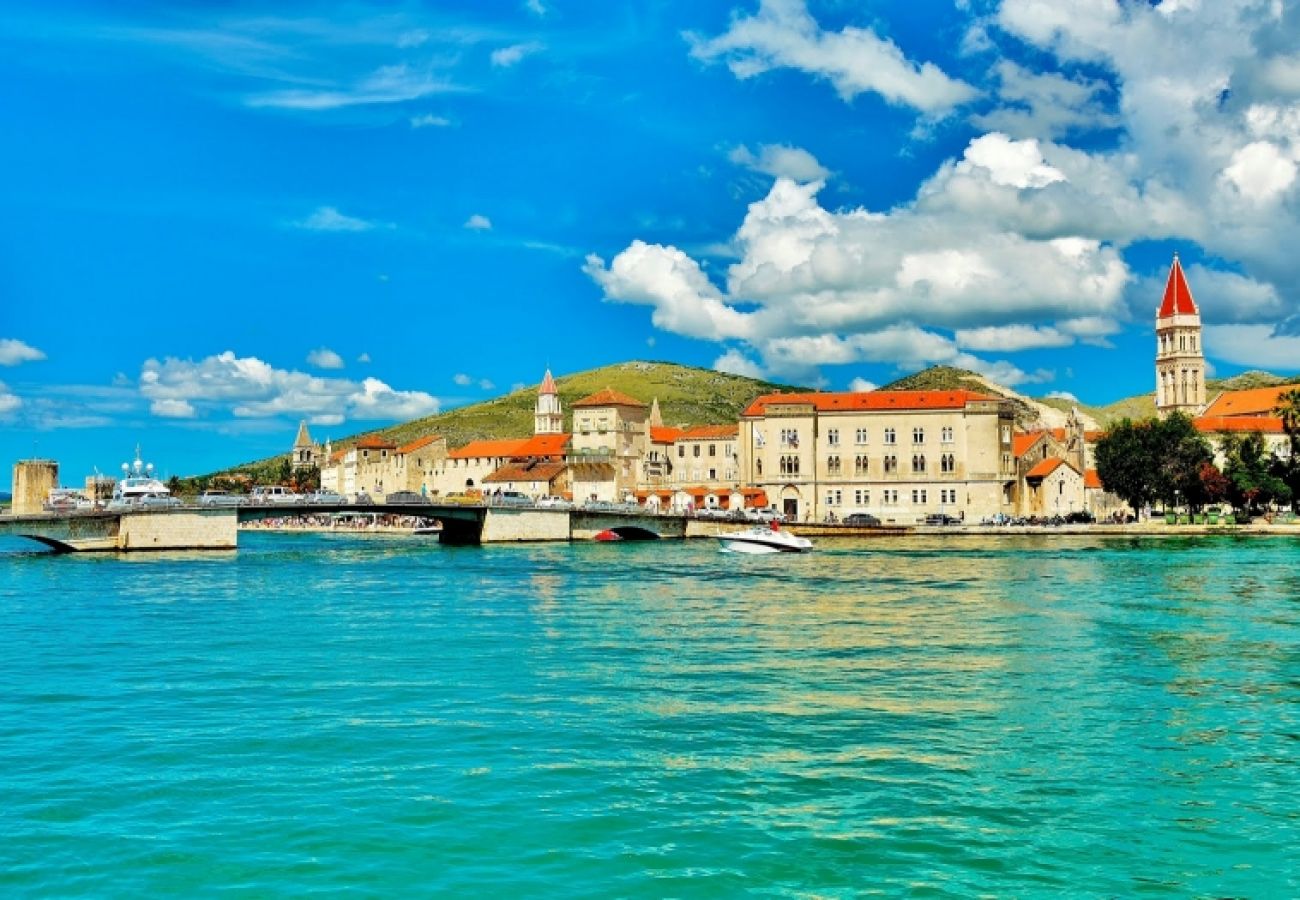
(689, 395)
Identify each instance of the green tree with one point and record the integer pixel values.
(1214, 484)
(1180, 451)
(1253, 483)
(1288, 469)
(1125, 463)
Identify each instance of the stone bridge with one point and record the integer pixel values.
(208, 528)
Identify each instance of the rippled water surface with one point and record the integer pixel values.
(935, 717)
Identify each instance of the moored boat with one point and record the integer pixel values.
(139, 489)
(764, 539)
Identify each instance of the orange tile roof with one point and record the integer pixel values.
(1092, 480)
(548, 384)
(1022, 443)
(1264, 424)
(488, 449)
(418, 443)
(664, 434)
(1254, 402)
(709, 432)
(1046, 467)
(526, 471)
(374, 442)
(338, 455)
(544, 445)
(1178, 296)
(870, 400)
(609, 397)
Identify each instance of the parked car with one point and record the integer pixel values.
(322, 496)
(1079, 517)
(461, 499)
(710, 512)
(510, 498)
(860, 520)
(406, 498)
(766, 514)
(265, 494)
(361, 498)
(941, 519)
(554, 503)
(219, 498)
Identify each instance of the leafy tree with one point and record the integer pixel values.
(283, 471)
(1124, 463)
(1288, 410)
(1181, 451)
(1251, 472)
(1214, 484)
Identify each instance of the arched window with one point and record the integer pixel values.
(918, 463)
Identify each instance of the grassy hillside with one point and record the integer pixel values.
(948, 378)
(687, 395)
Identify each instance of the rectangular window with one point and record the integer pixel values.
(713, 449)
(946, 434)
(833, 437)
(681, 451)
(890, 436)
(918, 435)
(861, 436)
(695, 450)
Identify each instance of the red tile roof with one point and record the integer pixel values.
(418, 443)
(526, 471)
(1254, 402)
(1092, 480)
(543, 445)
(1046, 467)
(374, 442)
(1264, 424)
(709, 432)
(610, 397)
(871, 400)
(548, 384)
(1178, 297)
(1023, 443)
(664, 434)
(488, 449)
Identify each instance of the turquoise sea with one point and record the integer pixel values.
(1012, 717)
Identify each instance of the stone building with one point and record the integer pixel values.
(898, 455)
(33, 479)
(610, 441)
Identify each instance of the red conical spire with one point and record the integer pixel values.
(1178, 296)
(548, 385)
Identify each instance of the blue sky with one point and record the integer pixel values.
(221, 218)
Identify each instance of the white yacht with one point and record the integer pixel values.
(138, 488)
(764, 539)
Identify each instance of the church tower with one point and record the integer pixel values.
(305, 450)
(1180, 364)
(548, 418)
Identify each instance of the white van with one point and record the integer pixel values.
(266, 494)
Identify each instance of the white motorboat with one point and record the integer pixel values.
(764, 539)
(139, 489)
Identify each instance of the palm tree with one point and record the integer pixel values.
(1288, 409)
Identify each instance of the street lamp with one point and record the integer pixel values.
(1175, 506)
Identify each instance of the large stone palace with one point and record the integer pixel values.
(897, 455)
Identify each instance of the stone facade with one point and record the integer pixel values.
(32, 482)
(898, 455)
(610, 428)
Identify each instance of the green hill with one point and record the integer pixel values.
(686, 394)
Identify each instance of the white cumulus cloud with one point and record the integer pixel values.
(478, 222)
(780, 161)
(860, 385)
(505, 57)
(324, 358)
(783, 34)
(248, 387)
(9, 401)
(328, 218)
(13, 352)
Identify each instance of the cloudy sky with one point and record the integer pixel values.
(221, 218)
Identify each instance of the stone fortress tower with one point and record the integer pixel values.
(548, 417)
(1180, 363)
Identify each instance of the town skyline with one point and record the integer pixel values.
(222, 222)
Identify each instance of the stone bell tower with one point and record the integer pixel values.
(1180, 363)
(548, 418)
